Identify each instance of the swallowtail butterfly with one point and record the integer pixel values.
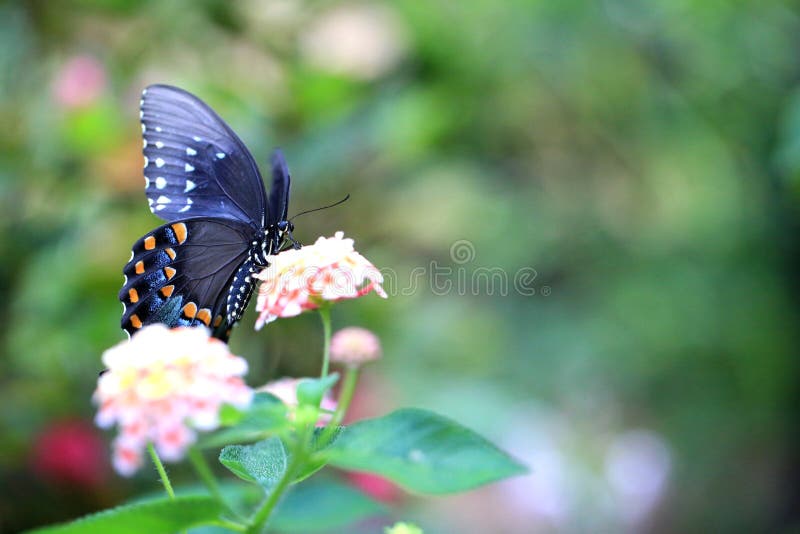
(221, 224)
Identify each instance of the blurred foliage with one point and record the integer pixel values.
(642, 157)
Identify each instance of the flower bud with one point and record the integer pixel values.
(354, 346)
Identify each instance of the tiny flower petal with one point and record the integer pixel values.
(354, 346)
(301, 279)
(162, 384)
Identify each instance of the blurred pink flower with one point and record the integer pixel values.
(355, 346)
(376, 487)
(161, 385)
(286, 390)
(302, 279)
(68, 452)
(79, 82)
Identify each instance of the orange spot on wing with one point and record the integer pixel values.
(180, 232)
(170, 252)
(170, 272)
(139, 267)
(217, 321)
(149, 242)
(135, 321)
(167, 290)
(190, 310)
(134, 295)
(205, 316)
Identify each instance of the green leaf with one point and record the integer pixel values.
(316, 461)
(334, 504)
(263, 463)
(154, 517)
(422, 452)
(311, 390)
(265, 417)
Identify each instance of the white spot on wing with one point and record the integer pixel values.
(161, 182)
(159, 162)
(190, 151)
(220, 155)
(146, 161)
(188, 168)
(158, 129)
(146, 182)
(196, 138)
(144, 128)
(160, 207)
(159, 144)
(163, 200)
(189, 186)
(187, 206)
(144, 142)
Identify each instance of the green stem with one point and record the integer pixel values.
(325, 316)
(206, 475)
(161, 471)
(345, 396)
(298, 457)
(230, 525)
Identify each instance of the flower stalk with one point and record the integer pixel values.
(325, 317)
(298, 457)
(161, 471)
(345, 397)
(204, 472)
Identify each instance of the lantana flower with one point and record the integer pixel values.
(286, 390)
(303, 279)
(354, 346)
(162, 385)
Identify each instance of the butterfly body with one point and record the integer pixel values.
(221, 226)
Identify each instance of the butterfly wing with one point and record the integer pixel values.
(279, 193)
(180, 274)
(194, 164)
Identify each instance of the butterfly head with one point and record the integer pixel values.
(283, 232)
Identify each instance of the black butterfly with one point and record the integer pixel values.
(200, 178)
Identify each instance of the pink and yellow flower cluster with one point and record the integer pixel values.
(161, 386)
(302, 279)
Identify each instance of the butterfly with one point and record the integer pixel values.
(199, 267)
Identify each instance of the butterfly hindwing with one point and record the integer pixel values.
(180, 274)
(194, 164)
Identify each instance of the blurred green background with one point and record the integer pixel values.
(630, 169)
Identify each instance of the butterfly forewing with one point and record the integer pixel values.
(180, 274)
(279, 194)
(194, 164)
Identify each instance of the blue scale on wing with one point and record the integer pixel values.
(180, 272)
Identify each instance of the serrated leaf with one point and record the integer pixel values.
(154, 517)
(334, 504)
(264, 462)
(421, 451)
(265, 417)
(311, 390)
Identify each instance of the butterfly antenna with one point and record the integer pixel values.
(322, 208)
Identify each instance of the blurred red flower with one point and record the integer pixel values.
(70, 452)
(375, 486)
